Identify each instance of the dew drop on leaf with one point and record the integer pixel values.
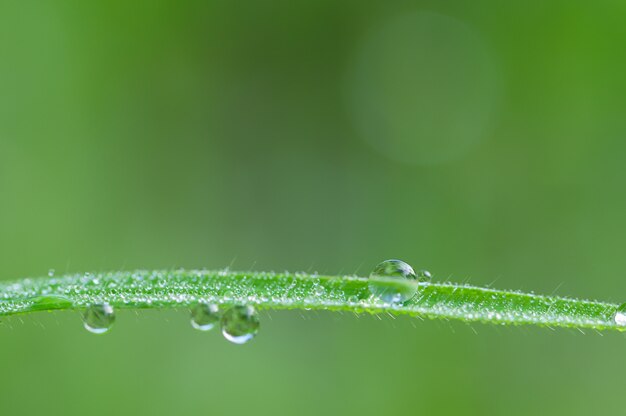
(319, 291)
(240, 324)
(98, 318)
(620, 315)
(204, 316)
(393, 281)
(424, 276)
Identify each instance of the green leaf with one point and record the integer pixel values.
(186, 288)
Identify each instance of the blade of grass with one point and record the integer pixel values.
(184, 288)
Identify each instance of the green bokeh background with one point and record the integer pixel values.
(484, 141)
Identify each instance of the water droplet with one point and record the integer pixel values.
(393, 281)
(424, 276)
(353, 299)
(205, 316)
(51, 273)
(98, 318)
(240, 324)
(620, 315)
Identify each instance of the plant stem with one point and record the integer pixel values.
(185, 288)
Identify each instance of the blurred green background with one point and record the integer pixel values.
(484, 141)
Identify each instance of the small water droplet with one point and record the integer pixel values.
(205, 316)
(393, 281)
(98, 318)
(353, 299)
(51, 273)
(620, 315)
(424, 276)
(240, 324)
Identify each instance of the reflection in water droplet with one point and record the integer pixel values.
(620, 315)
(204, 316)
(393, 281)
(98, 318)
(240, 324)
(393, 268)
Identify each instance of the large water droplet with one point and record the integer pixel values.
(98, 318)
(204, 316)
(240, 324)
(620, 315)
(393, 281)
